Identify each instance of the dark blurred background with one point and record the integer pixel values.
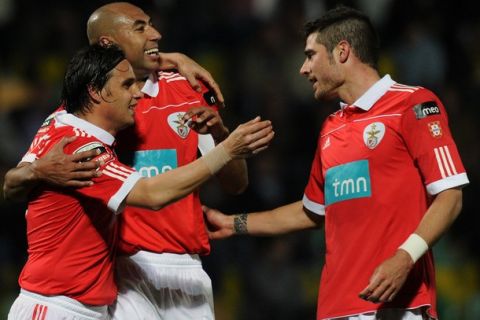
(254, 49)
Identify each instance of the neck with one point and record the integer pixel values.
(97, 121)
(357, 83)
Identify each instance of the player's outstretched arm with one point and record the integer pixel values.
(389, 277)
(56, 168)
(205, 120)
(288, 218)
(192, 71)
(248, 139)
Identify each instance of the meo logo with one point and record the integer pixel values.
(347, 181)
(150, 163)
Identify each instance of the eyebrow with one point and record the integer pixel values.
(309, 51)
(137, 23)
(128, 82)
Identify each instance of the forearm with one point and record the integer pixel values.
(169, 60)
(159, 191)
(234, 177)
(282, 220)
(443, 211)
(19, 182)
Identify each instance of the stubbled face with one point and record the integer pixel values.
(120, 96)
(321, 69)
(138, 38)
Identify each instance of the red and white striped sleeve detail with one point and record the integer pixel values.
(445, 162)
(451, 177)
(117, 171)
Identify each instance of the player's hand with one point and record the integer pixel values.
(388, 278)
(60, 169)
(219, 225)
(249, 138)
(206, 120)
(193, 72)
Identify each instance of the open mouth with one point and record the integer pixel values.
(152, 52)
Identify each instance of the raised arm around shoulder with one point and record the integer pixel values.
(19, 181)
(190, 70)
(55, 168)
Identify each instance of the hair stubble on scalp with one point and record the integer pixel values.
(345, 23)
(103, 20)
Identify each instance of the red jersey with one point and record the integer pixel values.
(377, 165)
(159, 142)
(72, 233)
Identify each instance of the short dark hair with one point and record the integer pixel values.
(345, 23)
(91, 68)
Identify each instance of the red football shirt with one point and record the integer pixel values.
(72, 233)
(159, 142)
(377, 165)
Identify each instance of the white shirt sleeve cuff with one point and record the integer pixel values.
(117, 203)
(313, 206)
(455, 181)
(29, 157)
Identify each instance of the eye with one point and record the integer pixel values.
(140, 28)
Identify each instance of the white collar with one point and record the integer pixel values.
(73, 121)
(373, 94)
(151, 86)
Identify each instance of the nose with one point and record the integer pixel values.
(154, 35)
(137, 93)
(304, 69)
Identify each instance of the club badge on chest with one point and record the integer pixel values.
(373, 134)
(178, 125)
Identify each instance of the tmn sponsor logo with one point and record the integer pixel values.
(347, 181)
(150, 163)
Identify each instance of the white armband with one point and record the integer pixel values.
(415, 246)
(216, 158)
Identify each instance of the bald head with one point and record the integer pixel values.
(102, 22)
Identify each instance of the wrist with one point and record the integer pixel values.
(240, 223)
(33, 174)
(217, 138)
(216, 158)
(415, 246)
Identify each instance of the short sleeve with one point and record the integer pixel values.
(314, 198)
(116, 180)
(429, 140)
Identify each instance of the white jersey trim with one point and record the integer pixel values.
(89, 128)
(116, 201)
(29, 157)
(438, 186)
(205, 143)
(313, 206)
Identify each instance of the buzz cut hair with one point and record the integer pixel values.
(347, 24)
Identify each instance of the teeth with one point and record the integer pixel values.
(152, 51)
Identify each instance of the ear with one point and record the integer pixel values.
(94, 94)
(105, 41)
(343, 51)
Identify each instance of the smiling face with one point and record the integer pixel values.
(119, 97)
(321, 69)
(133, 32)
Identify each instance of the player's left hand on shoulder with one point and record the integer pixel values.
(388, 278)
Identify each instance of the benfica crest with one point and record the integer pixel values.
(373, 134)
(178, 125)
